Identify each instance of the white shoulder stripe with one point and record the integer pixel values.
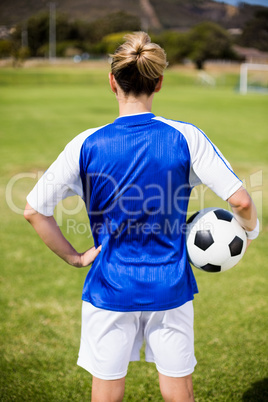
(62, 179)
(208, 165)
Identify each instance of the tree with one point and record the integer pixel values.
(175, 44)
(113, 23)
(209, 41)
(79, 32)
(112, 41)
(38, 32)
(255, 32)
(5, 48)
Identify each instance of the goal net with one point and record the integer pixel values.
(253, 78)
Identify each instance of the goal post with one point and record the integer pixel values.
(245, 69)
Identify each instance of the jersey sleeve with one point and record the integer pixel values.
(61, 180)
(208, 165)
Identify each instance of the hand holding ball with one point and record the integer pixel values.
(214, 239)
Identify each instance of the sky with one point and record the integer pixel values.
(256, 2)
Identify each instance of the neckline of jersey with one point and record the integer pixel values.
(134, 118)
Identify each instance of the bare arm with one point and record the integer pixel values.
(50, 233)
(244, 209)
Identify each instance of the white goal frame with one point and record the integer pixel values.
(244, 68)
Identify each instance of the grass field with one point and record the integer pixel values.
(41, 109)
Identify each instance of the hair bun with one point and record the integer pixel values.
(138, 51)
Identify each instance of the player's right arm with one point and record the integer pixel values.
(60, 181)
(48, 230)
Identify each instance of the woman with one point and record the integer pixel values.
(135, 176)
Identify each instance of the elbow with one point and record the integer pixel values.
(29, 212)
(241, 200)
(27, 215)
(244, 209)
(245, 204)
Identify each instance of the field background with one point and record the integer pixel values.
(41, 109)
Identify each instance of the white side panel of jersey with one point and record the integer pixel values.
(62, 179)
(208, 166)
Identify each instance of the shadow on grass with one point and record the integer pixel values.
(258, 392)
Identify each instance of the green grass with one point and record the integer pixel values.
(41, 109)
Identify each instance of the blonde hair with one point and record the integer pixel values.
(138, 63)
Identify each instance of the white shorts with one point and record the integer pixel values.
(111, 339)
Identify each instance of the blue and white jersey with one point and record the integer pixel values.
(135, 176)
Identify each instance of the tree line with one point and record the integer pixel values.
(206, 40)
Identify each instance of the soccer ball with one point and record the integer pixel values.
(214, 239)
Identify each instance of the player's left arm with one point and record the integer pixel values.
(208, 165)
(245, 212)
(48, 230)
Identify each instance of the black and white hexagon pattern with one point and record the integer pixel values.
(215, 241)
